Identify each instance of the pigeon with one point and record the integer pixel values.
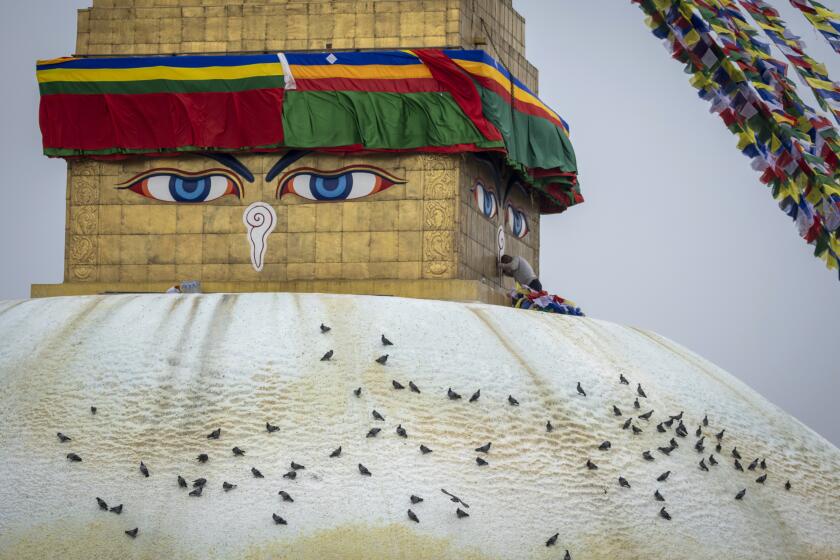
(203, 458)
(270, 429)
(646, 415)
(699, 445)
(706, 420)
(763, 465)
(401, 431)
(382, 359)
(717, 447)
(132, 532)
(552, 540)
(377, 416)
(616, 411)
(385, 341)
(357, 391)
(397, 385)
(738, 466)
(580, 390)
(605, 445)
(787, 485)
(677, 417)
(647, 456)
(256, 473)
(761, 478)
(712, 460)
(626, 423)
(452, 395)
(415, 499)
(181, 482)
(424, 450)
(703, 466)
(636, 430)
(336, 452)
(238, 452)
(623, 482)
(481, 462)
(740, 495)
(291, 475)
(325, 329)
(512, 401)
(363, 470)
(215, 434)
(549, 427)
(117, 509)
(642, 394)
(665, 450)
(719, 435)
(753, 465)
(197, 492)
(326, 357)
(199, 482)
(62, 438)
(227, 486)
(735, 453)
(664, 514)
(414, 388)
(622, 379)
(636, 404)
(102, 504)
(674, 443)
(590, 465)
(664, 476)
(660, 428)
(484, 448)
(658, 497)
(455, 498)
(285, 495)
(93, 410)
(144, 469)
(681, 431)
(475, 396)
(461, 513)
(373, 432)
(668, 423)
(278, 520)
(413, 516)
(75, 458)
(296, 466)
(567, 556)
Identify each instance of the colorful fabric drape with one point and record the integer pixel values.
(813, 74)
(795, 149)
(824, 20)
(523, 297)
(405, 101)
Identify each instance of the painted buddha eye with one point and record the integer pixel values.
(355, 181)
(516, 221)
(173, 185)
(485, 199)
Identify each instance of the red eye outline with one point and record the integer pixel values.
(139, 183)
(526, 230)
(383, 180)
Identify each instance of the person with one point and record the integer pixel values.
(521, 271)
(176, 289)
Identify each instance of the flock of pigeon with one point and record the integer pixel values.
(680, 431)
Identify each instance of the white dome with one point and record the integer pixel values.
(166, 370)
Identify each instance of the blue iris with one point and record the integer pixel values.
(337, 187)
(517, 223)
(189, 190)
(488, 203)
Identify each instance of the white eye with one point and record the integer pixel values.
(174, 188)
(516, 221)
(485, 200)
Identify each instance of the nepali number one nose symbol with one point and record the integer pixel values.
(260, 221)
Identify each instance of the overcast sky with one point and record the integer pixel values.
(677, 234)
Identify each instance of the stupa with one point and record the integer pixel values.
(267, 420)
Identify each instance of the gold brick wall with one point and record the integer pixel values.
(477, 234)
(407, 231)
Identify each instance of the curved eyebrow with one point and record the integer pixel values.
(232, 163)
(288, 159)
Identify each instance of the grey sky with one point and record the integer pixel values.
(677, 234)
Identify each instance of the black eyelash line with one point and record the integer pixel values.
(287, 160)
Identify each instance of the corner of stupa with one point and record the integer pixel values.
(430, 236)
